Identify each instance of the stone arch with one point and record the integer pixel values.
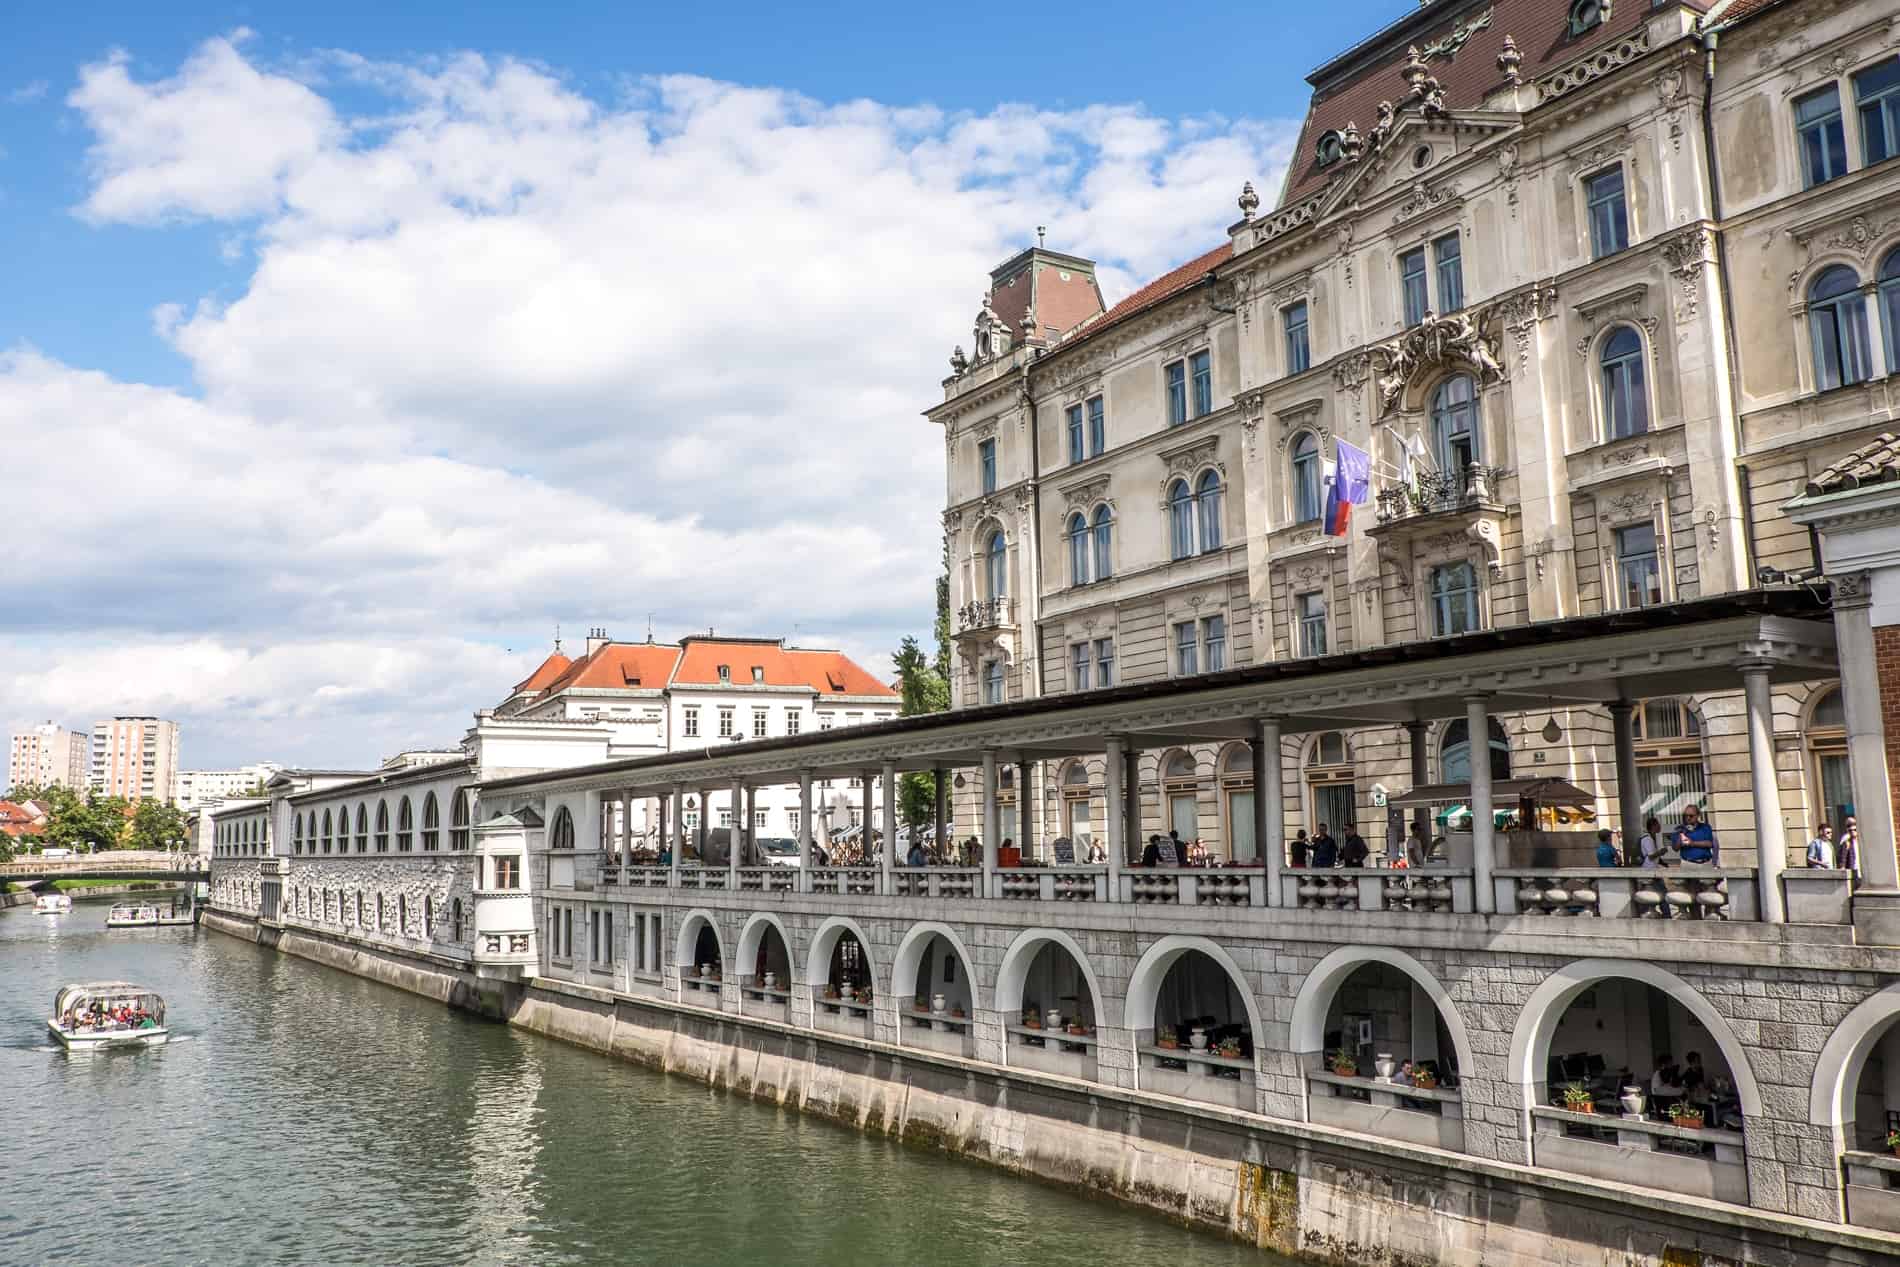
(689, 937)
(1144, 987)
(818, 958)
(1308, 1031)
(1844, 1056)
(754, 933)
(1022, 953)
(1537, 1023)
(910, 954)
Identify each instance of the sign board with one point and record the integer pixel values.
(1065, 851)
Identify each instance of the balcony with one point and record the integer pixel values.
(1440, 507)
(986, 615)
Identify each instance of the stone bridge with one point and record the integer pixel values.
(124, 864)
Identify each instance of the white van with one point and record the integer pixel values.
(56, 851)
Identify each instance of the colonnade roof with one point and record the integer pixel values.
(1694, 647)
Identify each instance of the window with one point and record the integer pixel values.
(725, 675)
(1827, 742)
(405, 826)
(1105, 662)
(1207, 497)
(1306, 478)
(1823, 139)
(758, 673)
(1201, 370)
(1104, 543)
(326, 831)
(793, 720)
(1310, 611)
(1877, 97)
(691, 723)
(997, 557)
(1180, 520)
(1186, 650)
(1447, 256)
(1454, 424)
(1625, 400)
(1585, 15)
(725, 723)
(562, 837)
(1454, 593)
(343, 831)
(824, 721)
(1638, 577)
(1329, 783)
(431, 823)
(1299, 347)
(1214, 642)
(1077, 452)
(1609, 214)
(296, 834)
(1454, 752)
(725, 818)
(1329, 148)
(759, 725)
(793, 820)
(1098, 427)
(1079, 666)
(1177, 393)
(1078, 550)
(458, 820)
(1889, 305)
(455, 920)
(382, 827)
(993, 682)
(1670, 775)
(759, 817)
(986, 465)
(1412, 286)
(1837, 324)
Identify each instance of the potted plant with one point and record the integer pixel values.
(1893, 1142)
(1228, 1047)
(1577, 1099)
(1168, 1040)
(1032, 1020)
(1342, 1063)
(1078, 1028)
(831, 992)
(1425, 1078)
(1686, 1115)
(957, 1012)
(864, 994)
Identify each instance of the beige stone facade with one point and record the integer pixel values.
(1554, 492)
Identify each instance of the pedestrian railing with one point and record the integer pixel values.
(1686, 892)
(1420, 890)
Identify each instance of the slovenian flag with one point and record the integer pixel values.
(1349, 485)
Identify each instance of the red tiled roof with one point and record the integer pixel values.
(551, 668)
(1540, 28)
(620, 665)
(827, 672)
(1162, 287)
(1740, 9)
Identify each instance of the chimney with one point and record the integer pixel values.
(596, 639)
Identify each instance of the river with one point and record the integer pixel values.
(302, 1115)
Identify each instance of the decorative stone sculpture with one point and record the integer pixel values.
(1352, 146)
(1509, 60)
(958, 362)
(1249, 200)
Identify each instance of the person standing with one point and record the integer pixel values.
(1653, 845)
(1821, 848)
(1606, 849)
(1325, 849)
(1299, 848)
(1847, 854)
(1355, 851)
(1695, 839)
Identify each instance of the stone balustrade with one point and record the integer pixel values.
(1685, 892)
(1422, 890)
(1199, 1074)
(1873, 1190)
(1053, 1051)
(1695, 1161)
(1433, 1116)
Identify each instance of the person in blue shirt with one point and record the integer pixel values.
(1606, 849)
(1695, 839)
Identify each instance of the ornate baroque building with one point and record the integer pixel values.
(1600, 286)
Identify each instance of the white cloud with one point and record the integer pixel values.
(509, 354)
(28, 93)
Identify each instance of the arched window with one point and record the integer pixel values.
(379, 913)
(405, 826)
(1306, 478)
(458, 819)
(296, 834)
(431, 823)
(1827, 746)
(402, 914)
(562, 837)
(1180, 520)
(382, 827)
(1455, 424)
(997, 564)
(1104, 543)
(1454, 752)
(1625, 396)
(1236, 780)
(1180, 788)
(362, 829)
(326, 831)
(1586, 15)
(1837, 324)
(455, 920)
(1207, 494)
(1890, 308)
(1078, 550)
(1075, 807)
(428, 918)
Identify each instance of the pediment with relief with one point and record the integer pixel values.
(1389, 171)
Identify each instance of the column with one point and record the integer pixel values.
(1269, 808)
(1483, 825)
(705, 818)
(1131, 796)
(1866, 737)
(889, 790)
(736, 836)
(942, 809)
(1415, 731)
(1115, 811)
(991, 827)
(804, 821)
(679, 833)
(1629, 801)
(866, 855)
(624, 845)
(1771, 843)
(1025, 809)
(662, 821)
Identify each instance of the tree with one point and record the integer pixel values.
(923, 687)
(76, 823)
(154, 825)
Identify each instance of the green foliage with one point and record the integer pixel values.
(74, 822)
(924, 685)
(154, 825)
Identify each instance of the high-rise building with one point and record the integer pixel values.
(192, 789)
(47, 756)
(134, 757)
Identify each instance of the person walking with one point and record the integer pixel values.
(1821, 848)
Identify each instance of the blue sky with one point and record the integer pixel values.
(373, 318)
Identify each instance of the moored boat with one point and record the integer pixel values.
(91, 1015)
(52, 904)
(145, 915)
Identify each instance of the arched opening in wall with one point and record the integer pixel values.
(1856, 1095)
(431, 823)
(1617, 1057)
(1827, 762)
(379, 913)
(561, 835)
(1077, 823)
(1454, 752)
(770, 967)
(841, 977)
(936, 999)
(402, 915)
(458, 820)
(1181, 794)
(1049, 1005)
(455, 921)
(707, 962)
(1381, 1047)
(1670, 772)
(1194, 1023)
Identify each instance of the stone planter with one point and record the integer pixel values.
(937, 1004)
(1197, 1039)
(771, 980)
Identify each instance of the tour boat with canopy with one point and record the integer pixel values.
(52, 904)
(99, 1014)
(146, 915)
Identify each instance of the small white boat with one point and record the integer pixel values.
(145, 915)
(99, 1014)
(52, 904)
